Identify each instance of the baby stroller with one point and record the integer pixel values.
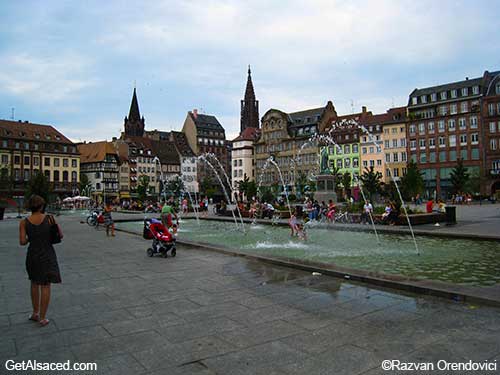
(163, 240)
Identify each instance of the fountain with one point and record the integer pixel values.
(373, 140)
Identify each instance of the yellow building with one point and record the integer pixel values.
(394, 144)
(27, 149)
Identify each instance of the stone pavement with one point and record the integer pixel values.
(208, 313)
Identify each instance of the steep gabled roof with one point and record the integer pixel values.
(182, 144)
(206, 121)
(134, 113)
(32, 132)
(249, 134)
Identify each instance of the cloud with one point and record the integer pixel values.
(45, 79)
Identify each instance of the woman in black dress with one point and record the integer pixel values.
(41, 259)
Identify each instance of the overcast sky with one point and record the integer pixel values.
(73, 64)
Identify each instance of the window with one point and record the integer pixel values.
(26, 160)
(4, 143)
(5, 159)
(462, 123)
(493, 127)
(442, 141)
(463, 139)
(421, 143)
(235, 163)
(451, 124)
(347, 149)
(372, 163)
(363, 149)
(402, 142)
(421, 128)
(56, 176)
(432, 157)
(430, 127)
(372, 149)
(26, 146)
(395, 157)
(56, 162)
(463, 154)
(46, 162)
(452, 141)
(73, 176)
(394, 143)
(493, 144)
(386, 143)
(491, 109)
(17, 145)
(403, 156)
(475, 90)
(474, 154)
(442, 110)
(442, 95)
(423, 99)
(413, 144)
(65, 163)
(414, 100)
(442, 156)
(355, 149)
(355, 163)
(497, 89)
(365, 163)
(423, 158)
(473, 122)
(17, 159)
(474, 137)
(441, 126)
(379, 162)
(412, 129)
(26, 174)
(464, 107)
(465, 91)
(387, 158)
(453, 109)
(388, 172)
(73, 163)
(432, 142)
(339, 163)
(453, 155)
(454, 93)
(433, 97)
(65, 176)
(347, 163)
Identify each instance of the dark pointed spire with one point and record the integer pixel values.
(134, 124)
(249, 106)
(134, 113)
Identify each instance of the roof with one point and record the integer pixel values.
(306, 117)
(206, 121)
(95, 151)
(165, 150)
(182, 144)
(249, 134)
(448, 86)
(33, 132)
(134, 114)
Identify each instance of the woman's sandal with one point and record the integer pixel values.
(34, 317)
(44, 322)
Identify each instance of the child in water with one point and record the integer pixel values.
(296, 228)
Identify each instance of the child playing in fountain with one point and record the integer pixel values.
(296, 228)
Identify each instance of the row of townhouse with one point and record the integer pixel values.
(440, 124)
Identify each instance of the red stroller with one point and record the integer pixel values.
(163, 240)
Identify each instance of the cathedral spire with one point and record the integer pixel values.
(249, 106)
(134, 124)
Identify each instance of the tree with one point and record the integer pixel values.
(459, 177)
(84, 183)
(243, 185)
(346, 183)
(371, 181)
(251, 189)
(301, 183)
(39, 185)
(174, 186)
(477, 179)
(142, 187)
(6, 181)
(413, 182)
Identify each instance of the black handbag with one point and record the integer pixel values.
(55, 233)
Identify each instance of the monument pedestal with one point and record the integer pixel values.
(325, 188)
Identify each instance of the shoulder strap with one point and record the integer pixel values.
(50, 219)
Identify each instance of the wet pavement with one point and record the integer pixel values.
(207, 313)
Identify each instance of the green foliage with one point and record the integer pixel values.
(6, 182)
(346, 182)
(174, 187)
(301, 183)
(413, 182)
(459, 177)
(372, 182)
(84, 182)
(142, 187)
(247, 187)
(476, 180)
(39, 185)
(266, 194)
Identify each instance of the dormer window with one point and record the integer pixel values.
(442, 95)
(433, 97)
(58, 137)
(454, 93)
(22, 134)
(414, 100)
(465, 91)
(475, 90)
(47, 136)
(37, 135)
(423, 99)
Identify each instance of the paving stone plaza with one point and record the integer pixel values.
(207, 313)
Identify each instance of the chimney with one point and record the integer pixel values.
(195, 113)
(363, 109)
(466, 78)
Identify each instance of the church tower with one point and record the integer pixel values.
(249, 107)
(134, 124)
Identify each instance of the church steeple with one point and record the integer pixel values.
(134, 124)
(249, 106)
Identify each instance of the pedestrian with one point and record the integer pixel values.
(367, 212)
(41, 259)
(108, 219)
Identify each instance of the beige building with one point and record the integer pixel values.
(371, 144)
(27, 149)
(394, 141)
(242, 156)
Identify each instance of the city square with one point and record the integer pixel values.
(250, 187)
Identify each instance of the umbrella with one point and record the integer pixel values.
(81, 198)
(68, 199)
